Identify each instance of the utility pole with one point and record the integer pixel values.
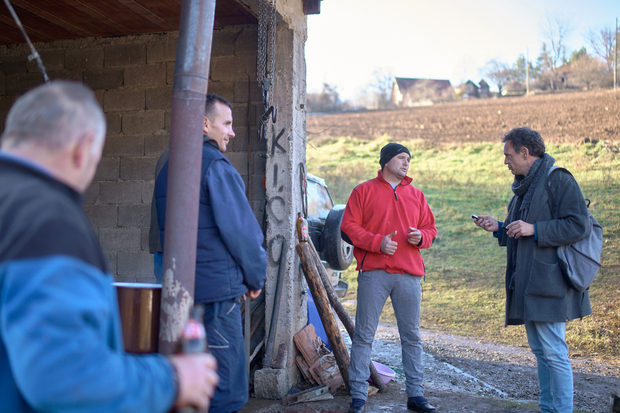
(527, 72)
(616, 57)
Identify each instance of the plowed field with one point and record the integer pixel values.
(560, 118)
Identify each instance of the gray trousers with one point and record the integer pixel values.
(373, 289)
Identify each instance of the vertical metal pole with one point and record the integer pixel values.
(616, 57)
(191, 75)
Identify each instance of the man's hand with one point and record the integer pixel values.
(487, 222)
(251, 294)
(518, 229)
(198, 379)
(414, 236)
(387, 245)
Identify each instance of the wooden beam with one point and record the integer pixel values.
(147, 14)
(343, 315)
(322, 305)
(312, 6)
(86, 8)
(59, 10)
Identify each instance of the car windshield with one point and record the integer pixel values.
(319, 201)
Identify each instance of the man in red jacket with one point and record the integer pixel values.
(389, 221)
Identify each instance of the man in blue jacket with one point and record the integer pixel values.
(61, 343)
(230, 260)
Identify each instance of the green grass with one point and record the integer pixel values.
(464, 288)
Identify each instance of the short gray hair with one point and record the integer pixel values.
(54, 115)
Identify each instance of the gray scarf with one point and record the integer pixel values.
(519, 207)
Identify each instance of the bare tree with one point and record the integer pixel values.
(603, 42)
(555, 32)
(381, 85)
(328, 100)
(498, 72)
(588, 71)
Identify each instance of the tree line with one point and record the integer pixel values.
(555, 68)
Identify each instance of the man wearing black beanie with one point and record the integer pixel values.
(389, 221)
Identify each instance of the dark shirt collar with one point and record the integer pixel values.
(26, 162)
(44, 174)
(209, 140)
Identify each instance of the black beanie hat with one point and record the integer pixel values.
(391, 150)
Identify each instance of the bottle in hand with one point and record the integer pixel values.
(194, 336)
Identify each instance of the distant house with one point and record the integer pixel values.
(416, 92)
(513, 88)
(472, 91)
(484, 90)
(564, 73)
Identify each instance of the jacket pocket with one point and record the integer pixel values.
(546, 280)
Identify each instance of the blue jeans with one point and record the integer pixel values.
(223, 325)
(373, 289)
(555, 374)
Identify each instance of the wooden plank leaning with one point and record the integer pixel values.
(342, 314)
(322, 305)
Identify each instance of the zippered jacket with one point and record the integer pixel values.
(230, 258)
(61, 342)
(540, 292)
(375, 210)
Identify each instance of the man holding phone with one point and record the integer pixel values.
(536, 293)
(388, 222)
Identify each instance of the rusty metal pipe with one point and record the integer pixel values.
(191, 75)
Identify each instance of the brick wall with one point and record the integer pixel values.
(132, 78)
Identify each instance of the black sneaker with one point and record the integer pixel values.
(420, 404)
(357, 406)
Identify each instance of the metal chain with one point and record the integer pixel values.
(266, 47)
(261, 58)
(265, 75)
(272, 50)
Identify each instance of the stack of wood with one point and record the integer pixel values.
(316, 363)
(323, 294)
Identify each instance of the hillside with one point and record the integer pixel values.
(560, 118)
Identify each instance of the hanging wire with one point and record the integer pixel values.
(35, 55)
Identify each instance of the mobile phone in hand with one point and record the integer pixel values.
(476, 217)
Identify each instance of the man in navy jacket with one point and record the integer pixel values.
(61, 343)
(230, 260)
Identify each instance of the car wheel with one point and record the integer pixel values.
(337, 252)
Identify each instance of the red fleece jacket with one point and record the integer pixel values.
(375, 210)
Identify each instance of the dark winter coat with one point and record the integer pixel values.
(230, 258)
(61, 339)
(540, 292)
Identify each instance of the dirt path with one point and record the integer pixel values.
(465, 375)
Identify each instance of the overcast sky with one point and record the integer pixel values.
(437, 39)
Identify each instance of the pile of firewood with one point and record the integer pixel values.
(316, 363)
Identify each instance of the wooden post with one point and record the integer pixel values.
(322, 305)
(343, 315)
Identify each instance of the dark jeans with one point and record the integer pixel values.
(223, 324)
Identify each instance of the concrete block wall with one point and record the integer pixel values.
(132, 78)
